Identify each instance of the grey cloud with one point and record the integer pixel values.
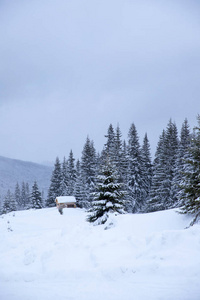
(101, 62)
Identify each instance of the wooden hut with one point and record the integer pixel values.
(65, 201)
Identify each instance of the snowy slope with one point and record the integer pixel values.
(46, 256)
(13, 171)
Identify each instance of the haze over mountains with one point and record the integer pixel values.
(13, 171)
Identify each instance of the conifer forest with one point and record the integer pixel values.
(142, 184)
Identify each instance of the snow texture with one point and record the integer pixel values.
(44, 255)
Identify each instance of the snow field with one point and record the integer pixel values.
(44, 255)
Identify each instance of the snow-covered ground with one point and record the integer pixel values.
(48, 256)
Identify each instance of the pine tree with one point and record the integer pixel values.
(79, 190)
(191, 180)
(25, 196)
(71, 172)
(9, 203)
(55, 185)
(36, 197)
(118, 154)
(157, 191)
(18, 196)
(161, 195)
(88, 171)
(146, 170)
(110, 146)
(171, 149)
(64, 178)
(135, 181)
(108, 197)
(182, 156)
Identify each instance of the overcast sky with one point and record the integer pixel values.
(69, 68)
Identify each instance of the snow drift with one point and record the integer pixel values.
(45, 255)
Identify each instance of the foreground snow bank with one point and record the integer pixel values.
(45, 255)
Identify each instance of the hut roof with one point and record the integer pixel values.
(66, 199)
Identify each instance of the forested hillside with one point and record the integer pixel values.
(13, 171)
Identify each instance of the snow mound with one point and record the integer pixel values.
(45, 255)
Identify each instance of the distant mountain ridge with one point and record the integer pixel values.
(14, 170)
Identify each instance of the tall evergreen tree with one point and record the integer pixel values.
(79, 190)
(172, 145)
(108, 197)
(25, 196)
(36, 197)
(182, 156)
(88, 171)
(110, 146)
(55, 185)
(157, 191)
(71, 171)
(64, 178)
(161, 195)
(191, 180)
(118, 155)
(135, 179)
(146, 170)
(18, 196)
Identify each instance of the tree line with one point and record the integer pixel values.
(147, 185)
(23, 198)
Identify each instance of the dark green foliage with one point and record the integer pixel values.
(108, 198)
(9, 203)
(191, 180)
(71, 172)
(88, 172)
(36, 197)
(79, 187)
(180, 164)
(55, 186)
(161, 195)
(18, 196)
(135, 180)
(146, 171)
(148, 187)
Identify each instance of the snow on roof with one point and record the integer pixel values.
(65, 199)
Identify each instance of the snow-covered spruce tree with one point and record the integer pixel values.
(88, 171)
(9, 203)
(71, 174)
(108, 198)
(157, 191)
(161, 196)
(55, 185)
(146, 170)
(18, 196)
(79, 190)
(110, 146)
(25, 196)
(191, 179)
(64, 180)
(135, 181)
(182, 157)
(36, 197)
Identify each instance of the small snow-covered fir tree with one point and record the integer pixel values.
(9, 203)
(36, 197)
(108, 198)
